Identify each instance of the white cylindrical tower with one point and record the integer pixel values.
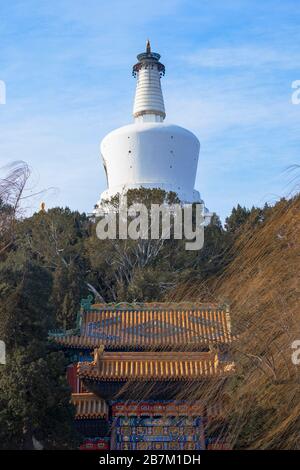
(150, 153)
(148, 102)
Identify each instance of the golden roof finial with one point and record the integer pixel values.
(42, 207)
(148, 47)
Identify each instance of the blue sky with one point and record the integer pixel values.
(229, 69)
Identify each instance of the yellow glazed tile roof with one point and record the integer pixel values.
(157, 325)
(89, 405)
(156, 366)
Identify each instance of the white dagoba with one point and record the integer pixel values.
(150, 153)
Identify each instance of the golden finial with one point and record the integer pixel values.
(148, 47)
(42, 207)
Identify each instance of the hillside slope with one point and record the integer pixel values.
(261, 284)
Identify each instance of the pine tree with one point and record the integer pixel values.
(237, 218)
(35, 398)
(55, 239)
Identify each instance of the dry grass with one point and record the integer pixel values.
(262, 286)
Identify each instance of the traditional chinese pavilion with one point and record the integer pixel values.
(130, 364)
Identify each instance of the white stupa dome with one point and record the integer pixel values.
(150, 153)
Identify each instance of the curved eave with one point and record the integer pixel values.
(155, 366)
(89, 406)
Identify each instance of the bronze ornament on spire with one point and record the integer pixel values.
(148, 47)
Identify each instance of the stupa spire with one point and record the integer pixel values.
(148, 102)
(148, 47)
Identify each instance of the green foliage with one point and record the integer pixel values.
(35, 401)
(149, 284)
(145, 196)
(55, 260)
(25, 291)
(68, 290)
(55, 239)
(35, 398)
(214, 255)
